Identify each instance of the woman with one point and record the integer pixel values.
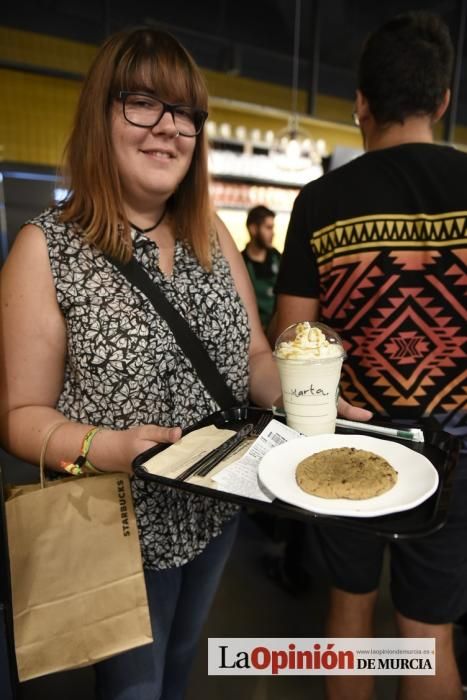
(83, 348)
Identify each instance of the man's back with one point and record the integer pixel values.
(387, 257)
(413, 177)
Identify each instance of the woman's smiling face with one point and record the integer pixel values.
(151, 161)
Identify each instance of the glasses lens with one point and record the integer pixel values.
(187, 120)
(142, 110)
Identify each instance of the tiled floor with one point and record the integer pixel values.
(248, 604)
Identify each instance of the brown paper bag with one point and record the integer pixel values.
(78, 587)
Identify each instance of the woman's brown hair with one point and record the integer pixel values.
(148, 59)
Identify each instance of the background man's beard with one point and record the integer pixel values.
(261, 243)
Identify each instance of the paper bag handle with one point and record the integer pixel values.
(45, 443)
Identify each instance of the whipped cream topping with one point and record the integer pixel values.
(309, 342)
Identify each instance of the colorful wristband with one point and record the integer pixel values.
(81, 464)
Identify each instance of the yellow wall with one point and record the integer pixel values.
(36, 117)
(45, 51)
(37, 112)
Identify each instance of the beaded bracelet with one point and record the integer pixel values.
(81, 464)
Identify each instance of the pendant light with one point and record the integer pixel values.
(293, 148)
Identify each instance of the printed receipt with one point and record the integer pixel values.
(241, 477)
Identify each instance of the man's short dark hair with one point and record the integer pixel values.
(405, 67)
(257, 215)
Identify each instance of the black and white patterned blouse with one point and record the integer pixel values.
(124, 368)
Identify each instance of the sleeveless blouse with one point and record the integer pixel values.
(123, 367)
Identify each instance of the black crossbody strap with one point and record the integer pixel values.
(187, 340)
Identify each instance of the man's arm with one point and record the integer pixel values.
(291, 309)
(297, 285)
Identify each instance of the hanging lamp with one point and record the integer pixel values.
(293, 148)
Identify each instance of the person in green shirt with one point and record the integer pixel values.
(262, 259)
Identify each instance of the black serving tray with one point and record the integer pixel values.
(439, 447)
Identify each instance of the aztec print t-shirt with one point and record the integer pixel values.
(382, 242)
(124, 368)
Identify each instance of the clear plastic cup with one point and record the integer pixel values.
(309, 356)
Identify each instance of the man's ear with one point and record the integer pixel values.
(442, 107)
(362, 108)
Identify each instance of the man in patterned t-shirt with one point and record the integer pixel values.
(377, 249)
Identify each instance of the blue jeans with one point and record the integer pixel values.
(179, 601)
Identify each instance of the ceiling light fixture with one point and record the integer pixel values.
(293, 148)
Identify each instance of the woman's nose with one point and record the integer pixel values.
(166, 124)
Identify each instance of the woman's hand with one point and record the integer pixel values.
(115, 450)
(346, 410)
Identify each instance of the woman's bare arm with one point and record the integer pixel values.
(265, 387)
(32, 359)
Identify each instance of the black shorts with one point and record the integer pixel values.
(428, 574)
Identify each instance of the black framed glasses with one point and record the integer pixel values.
(146, 111)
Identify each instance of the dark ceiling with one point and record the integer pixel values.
(254, 38)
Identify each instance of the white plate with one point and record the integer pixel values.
(417, 477)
